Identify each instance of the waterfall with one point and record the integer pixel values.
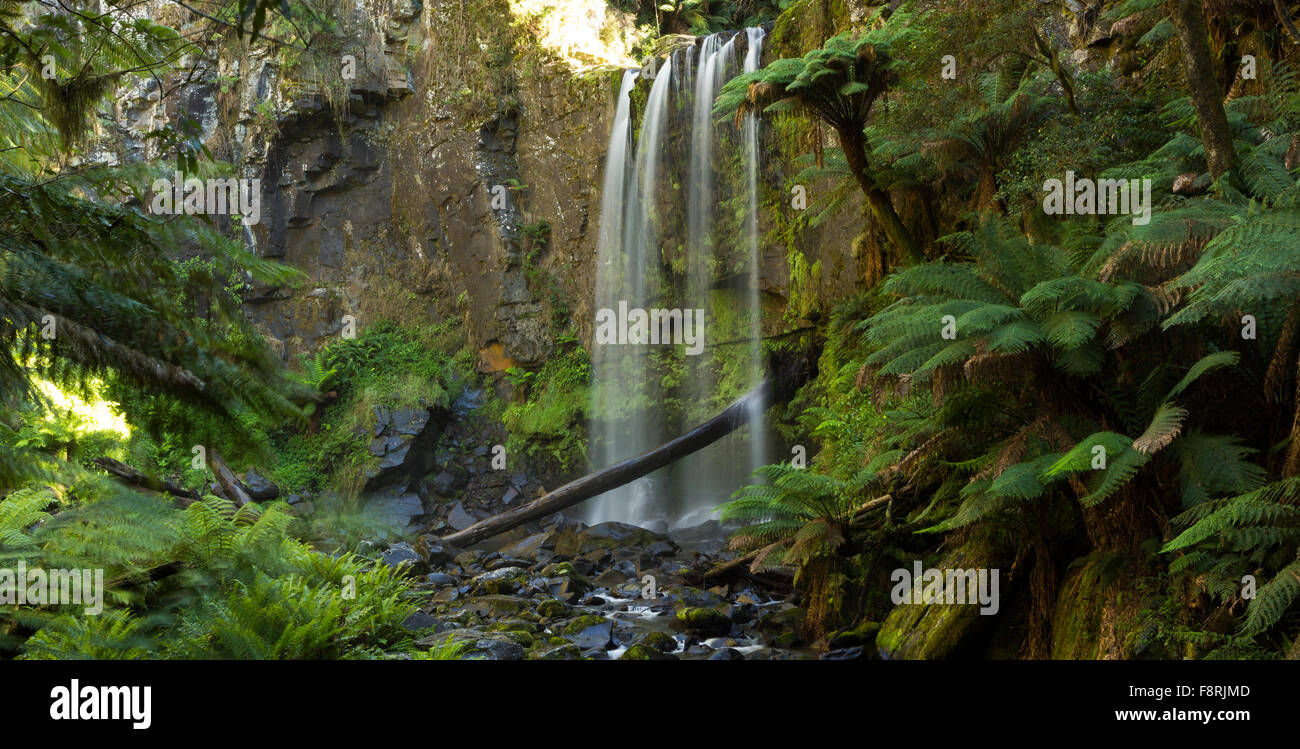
(608, 439)
(628, 241)
(700, 208)
(757, 435)
(660, 202)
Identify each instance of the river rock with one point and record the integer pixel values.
(401, 553)
(661, 641)
(419, 621)
(259, 487)
(855, 653)
(459, 519)
(702, 621)
(496, 649)
(645, 653)
(566, 652)
(604, 536)
(530, 546)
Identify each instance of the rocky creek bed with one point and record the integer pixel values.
(574, 592)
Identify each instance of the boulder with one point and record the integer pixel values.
(645, 653)
(661, 641)
(705, 622)
(419, 621)
(459, 519)
(401, 553)
(259, 487)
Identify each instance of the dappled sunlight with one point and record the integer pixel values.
(96, 415)
(584, 32)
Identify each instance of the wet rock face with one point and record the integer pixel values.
(387, 194)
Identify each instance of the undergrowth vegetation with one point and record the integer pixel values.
(1109, 388)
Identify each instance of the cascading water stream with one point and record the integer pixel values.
(628, 240)
(757, 435)
(641, 219)
(609, 442)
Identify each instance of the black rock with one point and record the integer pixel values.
(259, 487)
(400, 553)
(459, 519)
(706, 530)
(661, 549)
(497, 650)
(419, 621)
(856, 653)
(657, 526)
(726, 654)
(447, 483)
(440, 578)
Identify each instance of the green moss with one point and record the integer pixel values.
(549, 421)
(863, 634)
(702, 621)
(387, 365)
(566, 651)
(921, 631)
(661, 641)
(577, 625)
(552, 608)
(1088, 608)
(807, 24)
(645, 653)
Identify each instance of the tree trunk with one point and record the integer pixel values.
(855, 153)
(1203, 85)
(184, 496)
(777, 388)
(226, 478)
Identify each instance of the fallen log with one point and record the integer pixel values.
(184, 496)
(225, 477)
(787, 378)
(724, 567)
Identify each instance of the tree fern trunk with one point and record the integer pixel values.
(1202, 84)
(855, 153)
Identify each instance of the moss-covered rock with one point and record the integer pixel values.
(699, 620)
(928, 631)
(863, 634)
(552, 608)
(1097, 610)
(645, 653)
(777, 622)
(578, 624)
(513, 625)
(566, 652)
(661, 641)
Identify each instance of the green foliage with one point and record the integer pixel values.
(387, 365)
(804, 510)
(837, 83)
(548, 421)
(245, 589)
